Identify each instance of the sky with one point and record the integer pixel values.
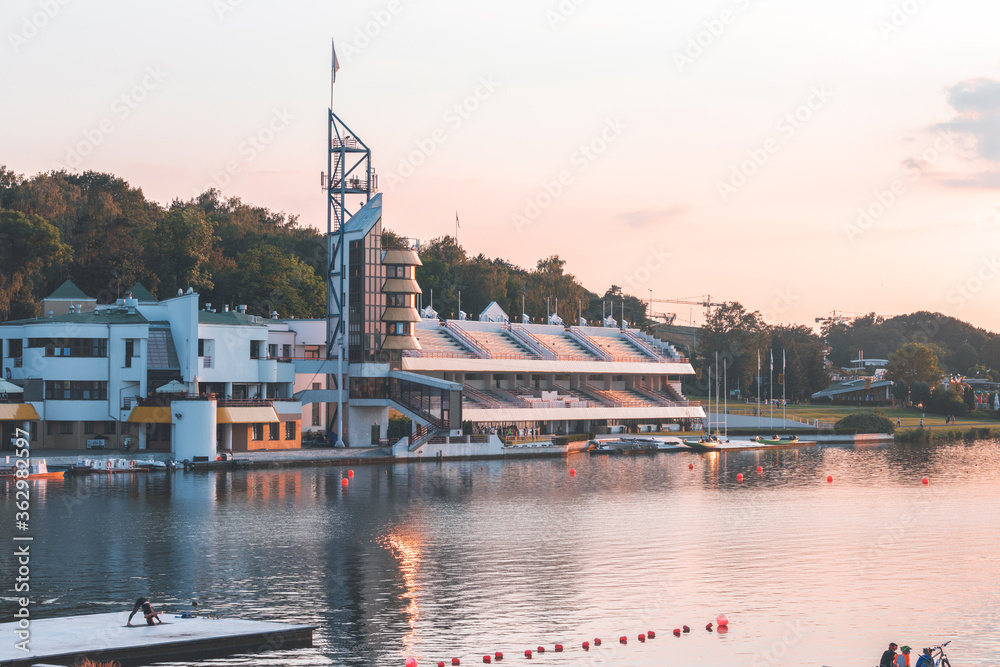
(800, 158)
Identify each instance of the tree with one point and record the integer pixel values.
(969, 397)
(804, 370)
(737, 335)
(963, 358)
(179, 248)
(989, 354)
(900, 391)
(914, 362)
(920, 393)
(29, 246)
(268, 278)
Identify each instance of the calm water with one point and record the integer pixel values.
(462, 559)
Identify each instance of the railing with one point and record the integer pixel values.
(438, 355)
(532, 343)
(468, 341)
(766, 415)
(642, 345)
(206, 362)
(590, 345)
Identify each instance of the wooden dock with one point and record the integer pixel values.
(105, 637)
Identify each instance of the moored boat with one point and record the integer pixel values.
(37, 469)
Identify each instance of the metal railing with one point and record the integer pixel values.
(529, 340)
(468, 340)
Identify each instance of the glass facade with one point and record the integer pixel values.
(432, 403)
(366, 303)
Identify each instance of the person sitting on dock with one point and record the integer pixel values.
(147, 611)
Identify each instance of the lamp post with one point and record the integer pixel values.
(340, 391)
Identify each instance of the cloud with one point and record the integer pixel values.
(646, 217)
(977, 107)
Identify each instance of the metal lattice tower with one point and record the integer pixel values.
(349, 182)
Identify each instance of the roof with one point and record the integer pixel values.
(142, 294)
(365, 219)
(107, 316)
(851, 385)
(68, 291)
(232, 318)
(246, 415)
(18, 412)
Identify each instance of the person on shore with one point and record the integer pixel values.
(903, 659)
(888, 656)
(921, 422)
(148, 613)
(925, 659)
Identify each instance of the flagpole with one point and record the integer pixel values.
(716, 390)
(784, 380)
(725, 396)
(770, 389)
(758, 388)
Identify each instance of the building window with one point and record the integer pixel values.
(66, 428)
(272, 431)
(34, 431)
(129, 352)
(110, 427)
(312, 351)
(289, 430)
(258, 432)
(255, 348)
(286, 351)
(316, 408)
(76, 390)
(272, 351)
(88, 428)
(71, 347)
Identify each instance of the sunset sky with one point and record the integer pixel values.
(796, 157)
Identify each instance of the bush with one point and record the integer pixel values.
(574, 437)
(399, 427)
(866, 422)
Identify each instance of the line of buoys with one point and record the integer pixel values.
(540, 649)
(651, 634)
(623, 640)
(487, 659)
(642, 637)
(456, 661)
(677, 632)
(690, 466)
(685, 628)
(498, 656)
(586, 646)
(597, 642)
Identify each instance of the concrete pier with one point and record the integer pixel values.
(105, 637)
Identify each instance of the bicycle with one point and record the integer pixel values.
(938, 656)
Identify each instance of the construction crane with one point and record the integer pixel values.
(703, 301)
(835, 317)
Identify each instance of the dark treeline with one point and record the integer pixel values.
(104, 235)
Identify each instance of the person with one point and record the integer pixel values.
(903, 659)
(898, 421)
(921, 422)
(925, 659)
(888, 656)
(147, 612)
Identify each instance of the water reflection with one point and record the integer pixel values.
(462, 559)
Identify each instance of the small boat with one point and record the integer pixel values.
(37, 469)
(703, 443)
(776, 440)
(112, 466)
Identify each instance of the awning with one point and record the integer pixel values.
(257, 415)
(18, 412)
(149, 414)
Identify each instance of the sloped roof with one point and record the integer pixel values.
(68, 291)
(365, 219)
(142, 294)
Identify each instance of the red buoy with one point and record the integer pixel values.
(685, 628)
(677, 632)
(760, 469)
(739, 477)
(527, 653)
(642, 637)
(498, 655)
(487, 659)
(586, 646)
(709, 626)
(572, 472)
(829, 478)
(441, 663)
(350, 473)
(623, 639)
(559, 648)
(690, 466)
(650, 634)
(722, 621)
(344, 482)
(540, 649)
(456, 661)
(925, 480)
(411, 662)
(597, 642)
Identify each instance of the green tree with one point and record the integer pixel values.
(737, 335)
(914, 362)
(989, 354)
(179, 249)
(267, 278)
(29, 246)
(920, 393)
(805, 372)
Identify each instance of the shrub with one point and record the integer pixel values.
(866, 422)
(573, 437)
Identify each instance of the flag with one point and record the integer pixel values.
(336, 63)
(456, 220)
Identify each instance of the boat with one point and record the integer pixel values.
(112, 466)
(776, 440)
(37, 469)
(704, 443)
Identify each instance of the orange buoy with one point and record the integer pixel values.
(344, 482)
(925, 480)
(829, 478)
(739, 477)
(722, 621)
(572, 471)
(642, 637)
(350, 473)
(650, 634)
(760, 468)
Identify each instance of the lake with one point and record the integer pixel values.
(461, 559)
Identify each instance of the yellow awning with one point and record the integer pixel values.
(18, 412)
(150, 415)
(256, 415)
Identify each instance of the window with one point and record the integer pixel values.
(15, 348)
(34, 431)
(88, 428)
(129, 352)
(201, 347)
(66, 428)
(316, 407)
(289, 430)
(286, 351)
(255, 348)
(312, 351)
(258, 432)
(76, 390)
(71, 347)
(272, 431)
(272, 351)
(109, 427)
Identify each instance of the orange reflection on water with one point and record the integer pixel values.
(407, 550)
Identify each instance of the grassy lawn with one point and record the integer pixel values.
(909, 417)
